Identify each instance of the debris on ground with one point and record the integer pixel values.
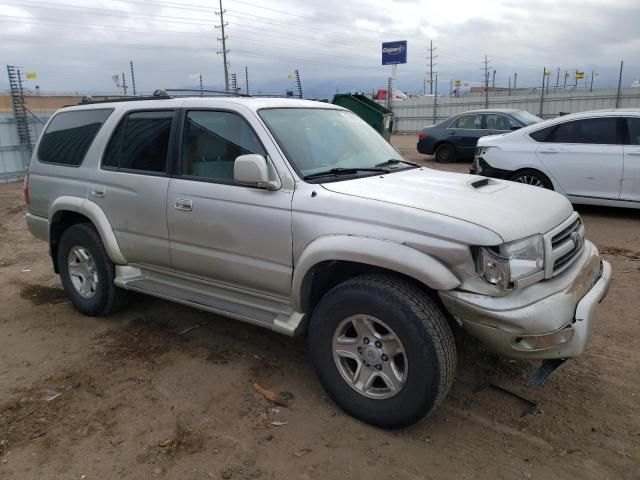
(276, 423)
(188, 329)
(50, 395)
(303, 452)
(271, 396)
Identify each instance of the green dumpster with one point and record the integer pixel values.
(374, 114)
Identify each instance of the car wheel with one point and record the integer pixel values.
(86, 272)
(532, 177)
(446, 153)
(382, 349)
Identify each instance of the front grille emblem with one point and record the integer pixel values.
(577, 239)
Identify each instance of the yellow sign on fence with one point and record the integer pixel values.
(31, 75)
(579, 75)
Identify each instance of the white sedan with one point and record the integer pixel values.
(591, 157)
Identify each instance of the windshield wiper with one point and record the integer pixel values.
(343, 171)
(395, 161)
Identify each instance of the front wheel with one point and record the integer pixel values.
(383, 350)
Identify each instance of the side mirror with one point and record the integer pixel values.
(251, 170)
(515, 127)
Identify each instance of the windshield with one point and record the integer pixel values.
(317, 140)
(526, 118)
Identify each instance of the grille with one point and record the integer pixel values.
(566, 245)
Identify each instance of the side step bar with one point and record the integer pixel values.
(259, 311)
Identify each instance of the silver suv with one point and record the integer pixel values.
(298, 217)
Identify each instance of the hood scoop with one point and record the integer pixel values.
(486, 185)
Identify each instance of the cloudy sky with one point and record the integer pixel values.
(76, 45)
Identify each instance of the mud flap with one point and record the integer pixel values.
(547, 369)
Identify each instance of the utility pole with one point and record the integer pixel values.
(566, 75)
(515, 80)
(509, 85)
(201, 89)
(224, 46)
(450, 87)
(493, 82)
(486, 82)
(619, 85)
(124, 84)
(592, 75)
(558, 79)
(133, 79)
(246, 80)
(299, 84)
(544, 75)
(431, 64)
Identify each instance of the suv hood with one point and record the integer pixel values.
(511, 210)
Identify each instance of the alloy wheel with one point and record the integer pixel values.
(82, 271)
(370, 356)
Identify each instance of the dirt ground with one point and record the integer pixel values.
(164, 391)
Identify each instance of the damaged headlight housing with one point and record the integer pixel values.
(506, 264)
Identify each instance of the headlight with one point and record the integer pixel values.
(505, 264)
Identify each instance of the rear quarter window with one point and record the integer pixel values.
(69, 136)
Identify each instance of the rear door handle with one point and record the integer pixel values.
(451, 133)
(184, 204)
(635, 154)
(550, 150)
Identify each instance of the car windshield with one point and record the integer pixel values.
(318, 140)
(526, 118)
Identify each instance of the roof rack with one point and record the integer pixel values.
(157, 95)
(203, 93)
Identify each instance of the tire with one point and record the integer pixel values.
(426, 365)
(92, 290)
(446, 153)
(532, 177)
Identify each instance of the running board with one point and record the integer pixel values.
(241, 305)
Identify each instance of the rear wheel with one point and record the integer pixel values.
(533, 178)
(86, 272)
(446, 153)
(382, 349)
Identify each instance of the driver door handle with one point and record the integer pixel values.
(184, 204)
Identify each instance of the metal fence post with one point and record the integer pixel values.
(435, 102)
(544, 75)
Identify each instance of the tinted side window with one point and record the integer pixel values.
(141, 142)
(69, 136)
(468, 121)
(500, 122)
(601, 131)
(633, 125)
(542, 135)
(213, 141)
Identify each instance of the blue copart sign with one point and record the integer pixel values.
(394, 52)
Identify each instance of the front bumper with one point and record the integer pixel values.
(551, 319)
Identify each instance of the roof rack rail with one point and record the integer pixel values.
(204, 93)
(157, 95)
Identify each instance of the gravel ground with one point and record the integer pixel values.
(139, 395)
